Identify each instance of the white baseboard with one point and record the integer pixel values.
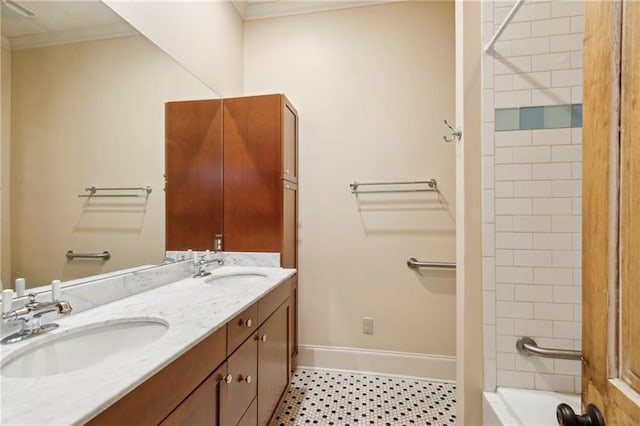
(435, 367)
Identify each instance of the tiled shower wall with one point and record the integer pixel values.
(532, 96)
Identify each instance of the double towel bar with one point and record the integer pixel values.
(414, 263)
(527, 346)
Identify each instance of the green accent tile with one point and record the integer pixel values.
(556, 116)
(531, 118)
(507, 119)
(576, 115)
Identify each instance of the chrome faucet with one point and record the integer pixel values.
(202, 266)
(31, 316)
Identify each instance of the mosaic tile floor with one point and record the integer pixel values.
(342, 399)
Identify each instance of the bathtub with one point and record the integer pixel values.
(509, 406)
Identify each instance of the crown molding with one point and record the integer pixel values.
(273, 9)
(72, 36)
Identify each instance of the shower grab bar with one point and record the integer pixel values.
(105, 255)
(432, 186)
(527, 346)
(414, 263)
(504, 25)
(92, 192)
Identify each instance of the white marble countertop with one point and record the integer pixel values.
(193, 308)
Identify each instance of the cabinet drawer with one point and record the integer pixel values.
(241, 326)
(269, 303)
(243, 369)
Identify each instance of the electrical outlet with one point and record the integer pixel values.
(367, 325)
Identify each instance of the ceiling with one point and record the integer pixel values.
(258, 9)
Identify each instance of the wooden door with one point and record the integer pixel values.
(611, 211)
(193, 172)
(273, 363)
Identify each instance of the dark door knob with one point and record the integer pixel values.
(567, 417)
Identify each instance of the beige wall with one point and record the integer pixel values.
(372, 86)
(5, 152)
(90, 114)
(204, 36)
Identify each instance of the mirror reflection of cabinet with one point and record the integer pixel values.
(259, 177)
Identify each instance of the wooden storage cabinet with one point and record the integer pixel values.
(214, 385)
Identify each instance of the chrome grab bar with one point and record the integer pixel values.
(92, 190)
(527, 346)
(105, 255)
(414, 263)
(432, 186)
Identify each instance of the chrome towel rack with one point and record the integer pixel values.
(431, 186)
(92, 191)
(527, 346)
(414, 263)
(105, 255)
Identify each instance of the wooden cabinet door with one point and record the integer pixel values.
(273, 363)
(243, 368)
(203, 405)
(611, 211)
(293, 323)
(290, 141)
(289, 253)
(193, 172)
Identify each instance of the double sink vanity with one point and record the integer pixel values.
(211, 350)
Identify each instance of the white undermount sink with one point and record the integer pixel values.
(82, 347)
(246, 277)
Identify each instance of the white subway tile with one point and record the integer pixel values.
(487, 139)
(488, 172)
(549, 27)
(490, 383)
(488, 206)
(504, 257)
(487, 11)
(504, 223)
(577, 24)
(554, 382)
(553, 311)
(566, 329)
(551, 171)
(528, 12)
(504, 292)
(566, 223)
(512, 65)
(504, 326)
(488, 240)
(515, 275)
(567, 258)
(540, 258)
(489, 346)
(566, 42)
(513, 240)
(506, 343)
(551, 96)
(523, 310)
(532, 154)
(546, 342)
(577, 277)
(533, 328)
(515, 206)
(487, 32)
(514, 172)
(533, 293)
(551, 137)
(577, 242)
(577, 313)
(577, 384)
(515, 30)
(513, 138)
(488, 272)
(577, 206)
(567, 8)
(552, 206)
(557, 241)
(576, 95)
(503, 48)
(488, 111)
(532, 224)
(576, 170)
(555, 276)
(576, 135)
(532, 80)
(566, 153)
(504, 189)
(531, 46)
(533, 188)
(567, 188)
(504, 155)
(489, 307)
(567, 366)
(566, 78)
(551, 61)
(487, 72)
(513, 98)
(506, 361)
(576, 60)
(577, 344)
(567, 294)
(532, 363)
(515, 379)
(502, 83)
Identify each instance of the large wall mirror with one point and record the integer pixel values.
(83, 98)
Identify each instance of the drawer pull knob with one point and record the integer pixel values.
(227, 379)
(246, 379)
(263, 338)
(247, 323)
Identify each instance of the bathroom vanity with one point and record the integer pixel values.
(224, 359)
